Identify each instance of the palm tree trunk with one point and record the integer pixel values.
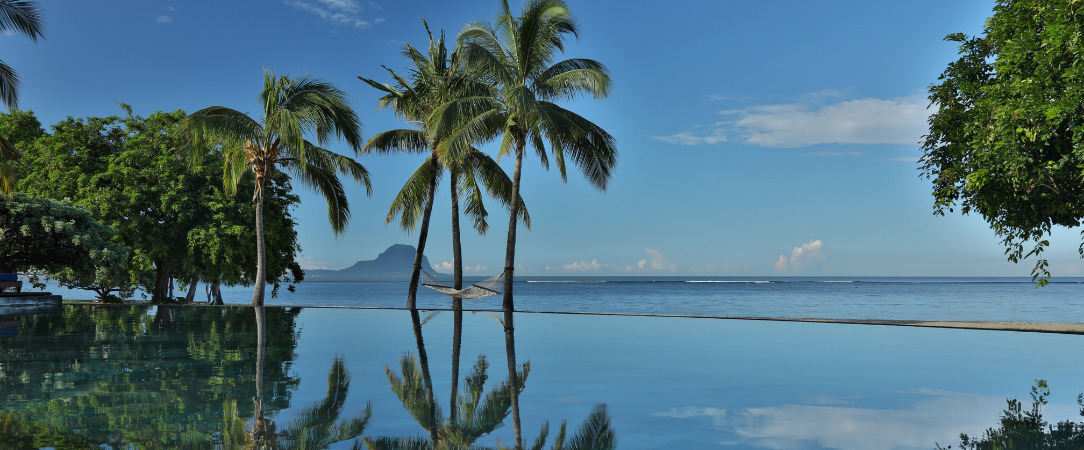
(508, 305)
(415, 273)
(261, 254)
(423, 360)
(457, 283)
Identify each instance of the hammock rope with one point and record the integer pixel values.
(484, 288)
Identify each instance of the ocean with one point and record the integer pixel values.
(967, 299)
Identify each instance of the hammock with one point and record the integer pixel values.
(484, 288)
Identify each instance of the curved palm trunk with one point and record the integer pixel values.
(261, 253)
(423, 360)
(508, 305)
(457, 303)
(415, 273)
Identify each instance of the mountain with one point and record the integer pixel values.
(395, 263)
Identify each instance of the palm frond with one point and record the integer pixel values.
(497, 183)
(569, 78)
(409, 204)
(22, 16)
(9, 86)
(590, 147)
(398, 141)
(297, 105)
(319, 171)
(410, 389)
(595, 433)
(542, 436)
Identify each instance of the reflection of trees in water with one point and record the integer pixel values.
(1026, 429)
(475, 413)
(136, 376)
(317, 426)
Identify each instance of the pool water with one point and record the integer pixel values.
(168, 377)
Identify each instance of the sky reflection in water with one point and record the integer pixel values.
(668, 382)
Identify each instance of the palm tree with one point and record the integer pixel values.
(24, 17)
(436, 78)
(518, 56)
(292, 108)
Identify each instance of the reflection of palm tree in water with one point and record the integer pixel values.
(318, 426)
(474, 413)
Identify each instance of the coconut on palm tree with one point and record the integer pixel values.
(519, 56)
(24, 17)
(293, 107)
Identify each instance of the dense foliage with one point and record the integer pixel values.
(1007, 139)
(293, 107)
(130, 173)
(64, 241)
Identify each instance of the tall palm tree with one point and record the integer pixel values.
(518, 55)
(292, 108)
(24, 17)
(436, 77)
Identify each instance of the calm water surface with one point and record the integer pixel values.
(186, 376)
(993, 299)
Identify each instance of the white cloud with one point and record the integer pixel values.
(685, 138)
(867, 121)
(338, 12)
(860, 121)
(583, 266)
(832, 154)
(781, 264)
(802, 257)
(448, 266)
(168, 17)
(939, 417)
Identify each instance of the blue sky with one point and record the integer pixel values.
(755, 138)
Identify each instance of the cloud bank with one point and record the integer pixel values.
(899, 121)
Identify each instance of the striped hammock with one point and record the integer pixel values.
(484, 288)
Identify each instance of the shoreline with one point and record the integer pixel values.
(1030, 327)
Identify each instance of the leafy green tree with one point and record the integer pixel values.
(63, 241)
(184, 225)
(1007, 137)
(17, 129)
(220, 247)
(130, 174)
(292, 108)
(519, 55)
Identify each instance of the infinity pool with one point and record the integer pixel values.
(166, 377)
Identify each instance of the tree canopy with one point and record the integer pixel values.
(63, 240)
(130, 174)
(1007, 138)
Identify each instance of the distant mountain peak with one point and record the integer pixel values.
(396, 262)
